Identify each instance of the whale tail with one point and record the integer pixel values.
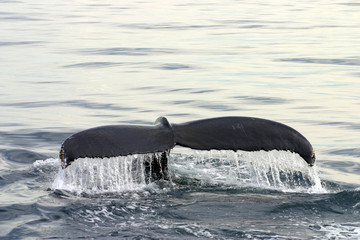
(224, 133)
(118, 140)
(242, 133)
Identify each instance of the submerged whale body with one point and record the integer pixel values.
(224, 133)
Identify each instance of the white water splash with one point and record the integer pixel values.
(277, 170)
(42, 165)
(104, 175)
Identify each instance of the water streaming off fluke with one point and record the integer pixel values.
(278, 170)
(115, 174)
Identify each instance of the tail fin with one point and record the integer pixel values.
(242, 133)
(119, 140)
(225, 133)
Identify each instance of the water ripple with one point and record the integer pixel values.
(168, 26)
(73, 103)
(355, 152)
(20, 18)
(93, 65)
(182, 102)
(180, 90)
(5, 44)
(349, 125)
(353, 4)
(263, 100)
(174, 66)
(214, 106)
(26, 139)
(129, 51)
(338, 203)
(334, 61)
(205, 91)
(21, 156)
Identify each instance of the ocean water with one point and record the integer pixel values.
(66, 66)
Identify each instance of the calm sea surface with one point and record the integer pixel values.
(66, 66)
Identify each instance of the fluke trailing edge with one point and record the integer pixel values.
(224, 133)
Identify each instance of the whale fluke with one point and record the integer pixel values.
(118, 140)
(242, 133)
(224, 133)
